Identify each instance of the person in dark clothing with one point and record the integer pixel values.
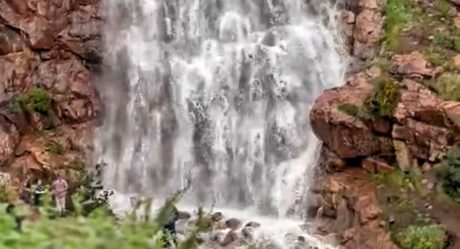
(170, 226)
(39, 190)
(25, 190)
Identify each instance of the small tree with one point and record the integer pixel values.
(449, 174)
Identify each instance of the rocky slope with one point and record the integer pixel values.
(389, 126)
(49, 51)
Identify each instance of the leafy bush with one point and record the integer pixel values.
(448, 85)
(98, 230)
(39, 100)
(397, 16)
(34, 100)
(422, 237)
(449, 174)
(384, 98)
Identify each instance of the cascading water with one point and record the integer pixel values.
(216, 93)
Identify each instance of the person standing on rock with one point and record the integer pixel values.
(170, 226)
(60, 188)
(39, 190)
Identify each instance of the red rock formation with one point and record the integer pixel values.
(51, 45)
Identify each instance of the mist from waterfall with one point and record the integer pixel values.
(216, 93)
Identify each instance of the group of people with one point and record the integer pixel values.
(32, 192)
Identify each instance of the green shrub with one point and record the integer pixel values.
(38, 100)
(383, 99)
(422, 237)
(397, 16)
(97, 230)
(448, 85)
(449, 174)
(34, 100)
(55, 148)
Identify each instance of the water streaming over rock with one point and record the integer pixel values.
(216, 93)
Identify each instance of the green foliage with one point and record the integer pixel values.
(438, 60)
(97, 229)
(55, 148)
(447, 40)
(38, 100)
(422, 237)
(383, 99)
(448, 85)
(443, 7)
(449, 174)
(397, 16)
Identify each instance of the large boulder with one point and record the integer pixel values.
(344, 134)
(422, 125)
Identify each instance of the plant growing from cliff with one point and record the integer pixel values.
(38, 100)
(422, 237)
(55, 148)
(380, 104)
(397, 16)
(448, 85)
(449, 174)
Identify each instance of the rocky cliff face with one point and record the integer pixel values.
(392, 117)
(48, 101)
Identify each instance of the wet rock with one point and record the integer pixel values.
(217, 216)
(233, 223)
(184, 215)
(252, 224)
(247, 233)
(230, 238)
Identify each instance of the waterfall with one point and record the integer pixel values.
(216, 94)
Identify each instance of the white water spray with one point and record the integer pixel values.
(216, 93)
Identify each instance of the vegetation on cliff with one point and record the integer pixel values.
(422, 237)
(383, 100)
(397, 15)
(449, 174)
